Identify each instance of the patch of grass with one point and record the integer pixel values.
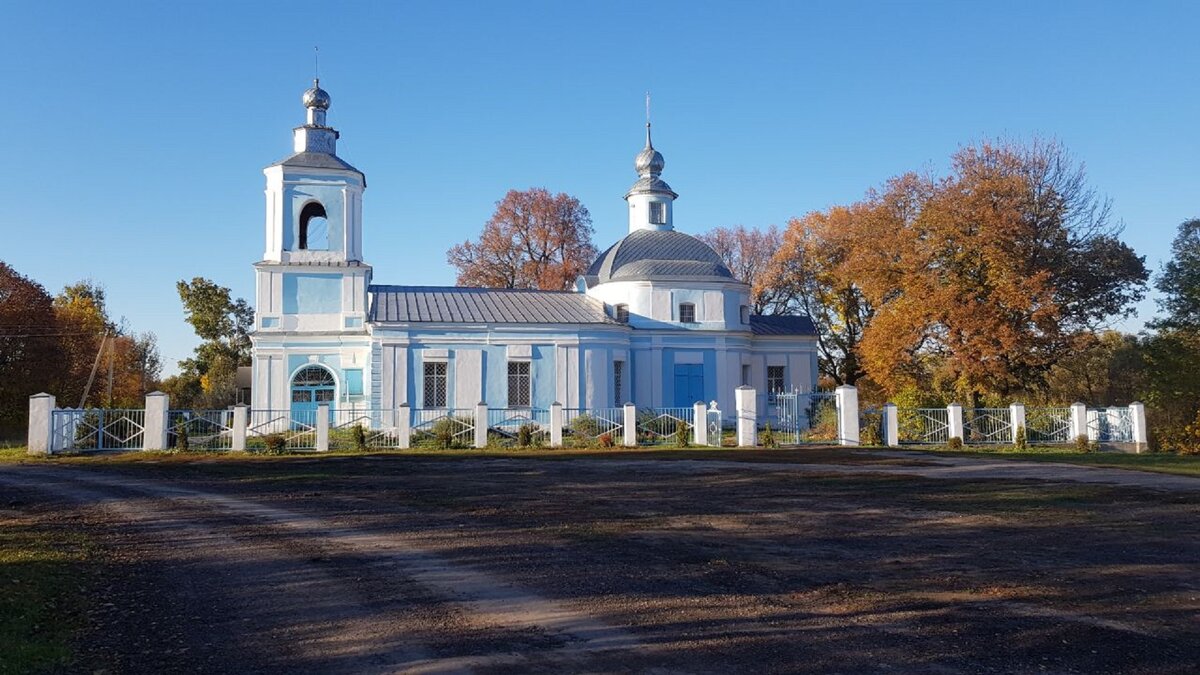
(43, 574)
(1181, 465)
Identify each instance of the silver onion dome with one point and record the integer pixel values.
(649, 160)
(316, 97)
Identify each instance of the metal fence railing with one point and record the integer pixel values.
(518, 426)
(987, 425)
(443, 427)
(289, 429)
(802, 417)
(364, 428)
(1110, 425)
(202, 429)
(923, 425)
(97, 429)
(1048, 425)
(583, 427)
(662, 426)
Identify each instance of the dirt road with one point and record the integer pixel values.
(399, 564)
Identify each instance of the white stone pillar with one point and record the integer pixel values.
(1141, 435)
(629, 425)
(891, 425)
(1079, 425)
(241, 419)
(954, 417)
(847, 409)
(41, 424)
(481, 424)
(699, 423)
(1016, 414)
(404, 424)
(154, 427)
(556, 425)
(322, 427)
(745, 401)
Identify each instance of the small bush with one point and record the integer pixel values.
(1082, 443)
(443, 433)
(682, 434)
(1022, 441)
(525, 435)
(605, 440)
(360, 438)
(955, 443)
(767, 438)
(870, 435)
(585, 426)
(276, 444)
(181, 437)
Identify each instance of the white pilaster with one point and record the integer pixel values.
(891, 425)
(955, 417)
(1079, 425)
(404, 424)
(700, 423)
(1141, 435)
(1016, 413)
(745, 401)
(154, 428)
(629, 425)
(241, 418)
(41, 421)
(322, 427)
(481, 424)
(847, 408)
(556, 425)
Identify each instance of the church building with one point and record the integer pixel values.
(657, 320)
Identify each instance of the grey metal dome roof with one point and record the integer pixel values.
(649, 164)
(658, 255)
(316, 97)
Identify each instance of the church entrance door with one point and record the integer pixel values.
(689, 384)
(310, 386)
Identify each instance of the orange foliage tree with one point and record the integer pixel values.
(747, 252)
(533, 240)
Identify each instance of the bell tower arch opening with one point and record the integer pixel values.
(313, 232)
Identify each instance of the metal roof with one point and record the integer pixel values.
(317, 160)
(452, 304)
(649, 255)
(782, 325)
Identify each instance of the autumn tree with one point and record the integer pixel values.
(533, 240)
(209, 378)
(30, 347)
(747, 252)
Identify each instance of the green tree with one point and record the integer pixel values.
(209, 378)
(30, 348)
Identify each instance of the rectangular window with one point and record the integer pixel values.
(774, 380)
(354, 382)
(519, 381)
(301, 396)
(745, 312)
(622, 313)
(687, 313)
(658, 213)
(435, 384)
(746, 374)
(618, 376)
(324, 395)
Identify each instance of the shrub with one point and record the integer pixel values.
(360, 438)
(1022, 441)
(276, 444)
(585, 426)
(1082, 443)
(525, 435)
(767, 438)
(870, 435)
(682, 434)
(605, 440)
(181, 436)
(955, 443)
(443, 433)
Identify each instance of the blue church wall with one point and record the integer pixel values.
(312, 293)
(329, 196)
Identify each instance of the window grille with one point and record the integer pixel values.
(622, 313)
(518, 384)
(435, 384)
(775, 380)
(618, 373)
(687, 313)
(658, 213)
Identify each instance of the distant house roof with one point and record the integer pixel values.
(318, 160)
(782, 325)
(451, 304)
(658, 255)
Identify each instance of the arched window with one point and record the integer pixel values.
(313, 376)
(314, 228)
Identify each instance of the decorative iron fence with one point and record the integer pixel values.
(584, 427)
(443, 427)
(662, 426)
(1110, 425)
(293, 429)
(1048, 425)
(987, 425)
(923, 425)
(797, 417)
(97, 429)
(203, 429)
(519, 426)
(364, 428)
(714, 425)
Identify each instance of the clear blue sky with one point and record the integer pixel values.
(137, 132)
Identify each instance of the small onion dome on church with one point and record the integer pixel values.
(649, 163)
(316, 97)
(658, 255)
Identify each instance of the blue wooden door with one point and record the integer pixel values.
(310, 386)
(689, 384)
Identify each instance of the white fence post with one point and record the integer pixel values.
(41, 424)
(1137, 418)
(154, 430)
(629, 425)
(699, 423)
(1016, 414)
(405, 424)
(556, 425)
(322, 427)
(481, 424)
(847, 405)
(891, 425)
(746, 403)
(241, 419)
(1079, 421)
(955, 418)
